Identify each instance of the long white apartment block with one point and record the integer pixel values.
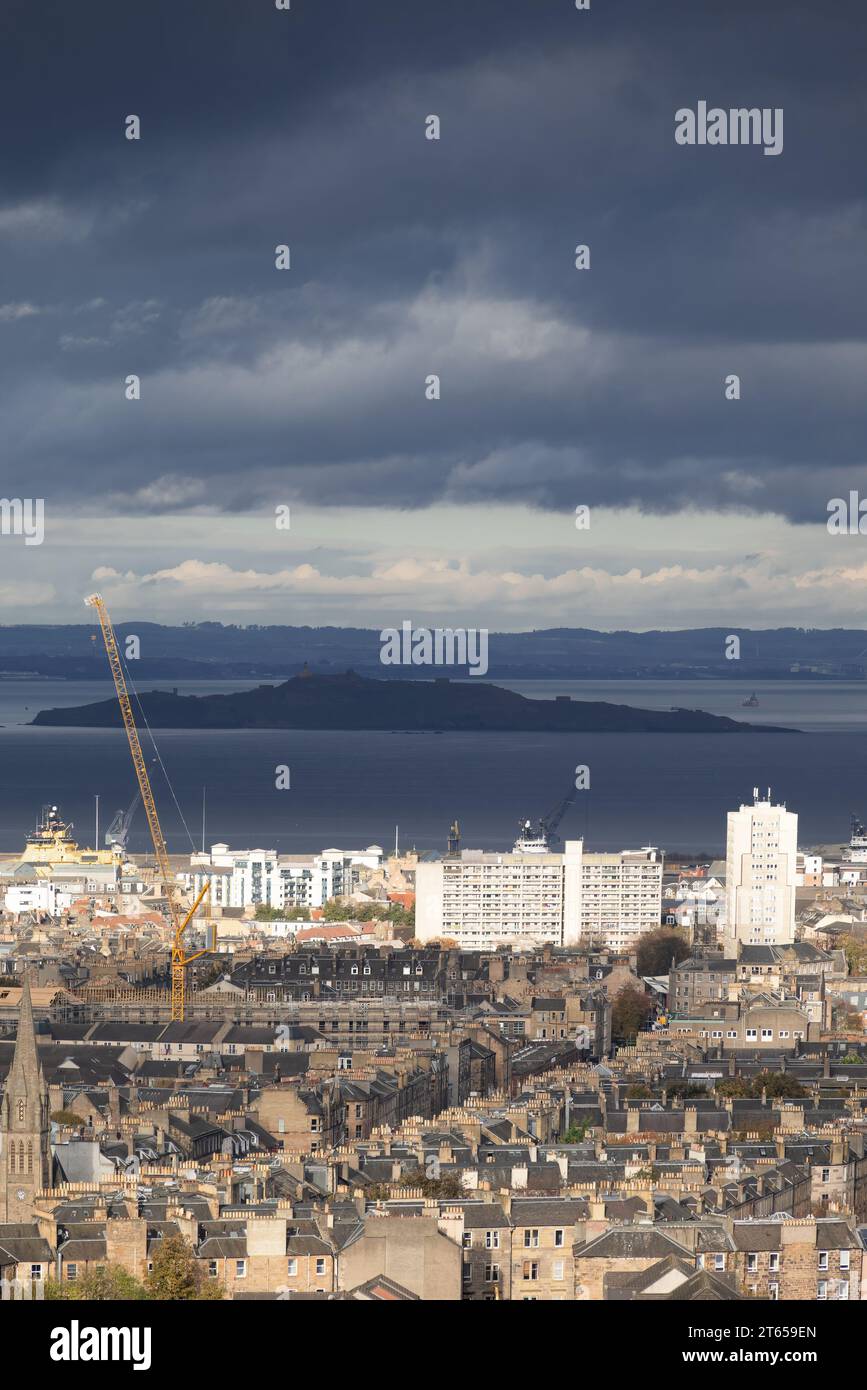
(248, 878)
(529, 897)
(761, 871)
(621, 896)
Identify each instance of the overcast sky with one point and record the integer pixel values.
(263, 388)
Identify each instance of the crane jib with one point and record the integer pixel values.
(179, 924)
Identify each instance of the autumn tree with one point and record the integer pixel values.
(176, 1274)
(657, 948)
(775, 1084)
(67, 1118)
(856, 954)
(629, 1010)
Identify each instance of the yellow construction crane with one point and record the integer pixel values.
(180, 960)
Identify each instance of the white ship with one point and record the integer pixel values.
(531, 841)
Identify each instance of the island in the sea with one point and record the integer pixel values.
(350, 701)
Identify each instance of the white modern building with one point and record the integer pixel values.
(531, 896)
(43, 896)
(761, 865)
(248, 878)
(621, 896)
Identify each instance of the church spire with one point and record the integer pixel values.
(25, 1123)
(26, 1069)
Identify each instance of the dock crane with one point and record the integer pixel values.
(549, 824)
(180, 960)
(545, 835)
(117, 833)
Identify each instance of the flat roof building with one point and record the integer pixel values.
(482, 900)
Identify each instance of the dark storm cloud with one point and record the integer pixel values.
(412, 257)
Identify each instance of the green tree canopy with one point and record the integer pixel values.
(575, 1133)
(112, 1284)
(344, 909)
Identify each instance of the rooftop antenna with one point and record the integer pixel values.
(204, 790)
(396, 850)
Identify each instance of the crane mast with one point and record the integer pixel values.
(179, 924)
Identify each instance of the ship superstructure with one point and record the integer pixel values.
(52, 843)
(856, 850)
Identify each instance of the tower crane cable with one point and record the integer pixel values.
(129, 680)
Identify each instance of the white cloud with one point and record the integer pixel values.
(10, 313)
(25, 595)
(668, 595)
(45, 219)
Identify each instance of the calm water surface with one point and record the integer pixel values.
(350, 789)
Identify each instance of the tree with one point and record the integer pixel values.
(336, 910)
(209, 975)
(112, 1284)
(656, 949)
(776, 1085)
(638, 1092)
(290, 913)
(446, 1186)
(856, 954)
(630, 1009)
(67, 1117)
(737, 1086)
(343, 910)
(401, 916)
(176, 1274)
(576, 1133)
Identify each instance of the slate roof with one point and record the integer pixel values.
(540, 1211)
(630, 1243)
(382, 1290)
(627, 1284)
(21, 1243)
(484, 1216)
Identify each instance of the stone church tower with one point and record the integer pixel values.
(25, 1124)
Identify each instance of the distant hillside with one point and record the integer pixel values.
(202, 650)
(350, 701)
